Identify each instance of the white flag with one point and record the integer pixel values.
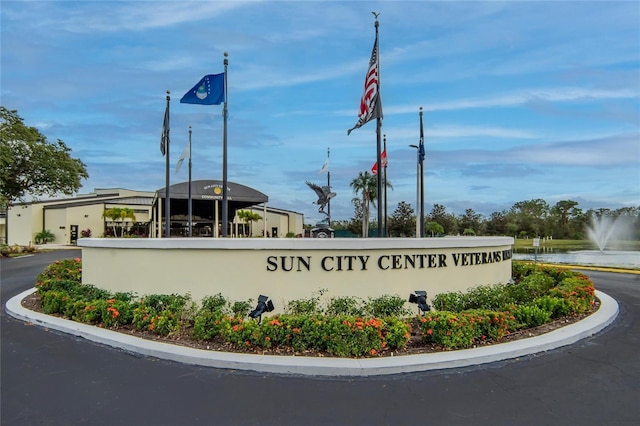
(325, 167)
(185, 154)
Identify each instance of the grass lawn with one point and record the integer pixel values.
(577, 244)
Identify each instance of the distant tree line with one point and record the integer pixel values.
(525, 219)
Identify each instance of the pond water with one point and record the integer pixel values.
(611, 258)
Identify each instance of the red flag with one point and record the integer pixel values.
(383, 159)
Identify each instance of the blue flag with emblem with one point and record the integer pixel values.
(208, 91)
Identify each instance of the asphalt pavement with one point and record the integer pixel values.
(49, 377)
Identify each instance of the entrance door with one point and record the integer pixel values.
(73, 235)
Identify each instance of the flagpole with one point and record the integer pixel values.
(421, 154)
(190, 211)
(225, 199)
(167, 191)
(418, 227)
(381, 231)
(329, 185)
(386, 228)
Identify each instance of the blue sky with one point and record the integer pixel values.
(521, 100)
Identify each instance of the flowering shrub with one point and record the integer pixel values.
(531, 315)
(337, 335)
(346, 327)
(68, 269)
(578, 291)
(496, 297)
(556, 306)
(462, 330)
(159, 313)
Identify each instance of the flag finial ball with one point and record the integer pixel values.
(226, 54)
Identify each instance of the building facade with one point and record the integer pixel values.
(69, 219)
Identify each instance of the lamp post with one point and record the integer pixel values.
(418, 227)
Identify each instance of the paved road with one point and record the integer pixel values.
(50, 378)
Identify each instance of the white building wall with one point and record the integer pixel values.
(87, 217)
(24, 222)
(283, 220)
(56, 222)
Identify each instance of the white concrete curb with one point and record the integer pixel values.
(594, 323)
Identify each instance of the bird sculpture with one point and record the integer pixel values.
(324, 195)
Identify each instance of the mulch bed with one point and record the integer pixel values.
(415, 345)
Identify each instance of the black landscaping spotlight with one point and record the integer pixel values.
(420, 298)
(264, 305)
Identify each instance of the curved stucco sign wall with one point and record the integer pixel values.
(291, 269)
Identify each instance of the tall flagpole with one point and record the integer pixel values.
(381, 231)
(421, 154)
(225, 196)
(190, 212)
(167, 192)
(329, 185)
(418, 227)
(386, 228)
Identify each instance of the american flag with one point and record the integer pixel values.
(370, 105)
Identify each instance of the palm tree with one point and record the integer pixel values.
(127, 213)
(121, 214)
(434, 228)
(247, 216)
(366, 185)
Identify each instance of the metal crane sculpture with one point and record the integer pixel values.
(324, 195)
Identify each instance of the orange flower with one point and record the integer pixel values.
(274, 322)
(373, 352)
(152, 327)
(429, 331)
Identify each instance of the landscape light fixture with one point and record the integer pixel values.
(264, 305)
(419, 297)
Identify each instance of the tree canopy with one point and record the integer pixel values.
(403, 221)
(30, 165)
